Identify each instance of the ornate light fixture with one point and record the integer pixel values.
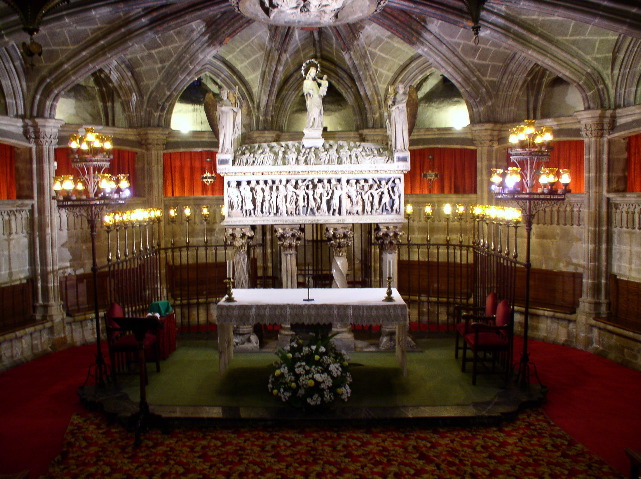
(409, 211)
(89, 195)
(531, 152)
(208, 178)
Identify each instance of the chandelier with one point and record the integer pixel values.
(208, 178)
(89, 194)
(530, 153)
(90, 154)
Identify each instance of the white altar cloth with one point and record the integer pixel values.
(329, 306)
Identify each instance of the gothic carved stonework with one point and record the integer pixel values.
(597, 129)
(339, 238)
(485, 136)
(307, 13)
(43, 132)
(153, 139)
(289, 238)
(388, 237)
(239, 238)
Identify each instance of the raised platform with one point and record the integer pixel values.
(188, 389)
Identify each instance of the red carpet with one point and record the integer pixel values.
(596, 401)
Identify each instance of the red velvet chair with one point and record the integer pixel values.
(123, 346)
(491, 342)
(469, 314)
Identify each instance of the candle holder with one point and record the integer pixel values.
(388, 294)
(229, 298)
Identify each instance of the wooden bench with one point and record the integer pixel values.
(558, 291)
(17, 305)
(435, 279)
(195, 281)
(77, 293)
(625, 303)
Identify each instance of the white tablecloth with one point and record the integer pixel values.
(329, 306)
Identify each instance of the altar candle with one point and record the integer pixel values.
(229, 268)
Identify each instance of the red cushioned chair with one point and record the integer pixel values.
(491, 342)
(123, 346)
(469, 314)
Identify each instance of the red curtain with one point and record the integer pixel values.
(123, 162)
(568, 154)
(7, 172)
(182, 172)
(634, 164)
(456, 168)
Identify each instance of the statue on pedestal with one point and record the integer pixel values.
(314, 89)
(229, 122)
(397, 125)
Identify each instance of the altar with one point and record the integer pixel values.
(364, 306)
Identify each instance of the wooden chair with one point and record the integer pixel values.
(123, 346)
(469, 314)
(491, 341)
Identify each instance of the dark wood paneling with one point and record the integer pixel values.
(552, 290)
(625, 303)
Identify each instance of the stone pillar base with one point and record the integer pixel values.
(245, 339)
(388, 340)
(285, 336)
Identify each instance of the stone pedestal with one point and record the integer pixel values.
(339, 238)
(240, 238)
(313, 137)
(289, 237)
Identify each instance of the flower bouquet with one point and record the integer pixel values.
(310, 372)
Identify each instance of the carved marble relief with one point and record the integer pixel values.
(275, 200)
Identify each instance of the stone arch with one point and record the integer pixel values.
(116, 39)
(565, 61)
(626, 72)
(475, 91)
(12, 81)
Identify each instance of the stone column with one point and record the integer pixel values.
(289, 237)
(240, 238)
(42, 133)
(595, 128)
(388, 238)
(150, 170)
(339, 238)
(486, 139)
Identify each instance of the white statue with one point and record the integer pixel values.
(229, 123)
(397, 120)
(314, 90)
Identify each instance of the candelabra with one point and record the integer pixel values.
(428, 213)
(409, 211)
(530, 153)
(447, 211)
(142, 218)
(90, 195)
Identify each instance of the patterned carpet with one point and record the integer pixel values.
(530, 446)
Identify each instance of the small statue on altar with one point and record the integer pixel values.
(314, 89)
(397, 127)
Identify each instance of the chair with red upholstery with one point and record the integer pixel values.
(123, 346)
(470, 314)
(491, 342)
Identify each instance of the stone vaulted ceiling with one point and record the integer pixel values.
(150, 51)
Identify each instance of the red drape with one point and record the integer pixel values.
(456, 168)
(123, 162)
(182, 172)
(7, 172)
(568, 154)
(634, 164)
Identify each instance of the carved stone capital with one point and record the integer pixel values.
(239, 238)
(339, 238)
(289, 237)
(486, 135)
(596, 123)
(388, 237)
(43, 131)
(153, 138)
